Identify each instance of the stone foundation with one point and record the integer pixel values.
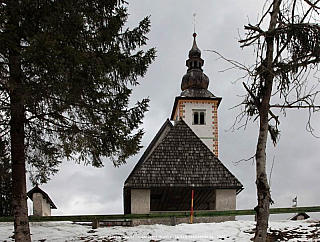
(174, 221)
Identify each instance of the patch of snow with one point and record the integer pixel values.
(307, 230)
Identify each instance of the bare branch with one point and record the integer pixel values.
(234, 63)
(309, 127)
(254, 28)
(313, 5)
(294, 106)
(293, 9)
(256, 101)
(248, 159)
(307, 13)
(249, 41)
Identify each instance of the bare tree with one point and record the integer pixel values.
(286, 41)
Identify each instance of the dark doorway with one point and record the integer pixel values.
(179, 199)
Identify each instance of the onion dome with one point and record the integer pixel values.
(195, 78)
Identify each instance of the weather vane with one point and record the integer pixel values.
(194, 22)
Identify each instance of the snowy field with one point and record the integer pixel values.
(308, 230)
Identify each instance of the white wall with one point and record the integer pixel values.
(46, 208)
(37, 204)
(225, 199)
(40, 205)
(140, 201)
(208, 133)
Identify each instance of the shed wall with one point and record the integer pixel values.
(46, 208)
(40, 205)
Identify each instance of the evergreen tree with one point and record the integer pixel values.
(66, 68)
(5, 182)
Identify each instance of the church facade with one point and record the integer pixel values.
(184, 156)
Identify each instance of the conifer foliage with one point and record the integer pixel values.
(66, 68)
(5, 182)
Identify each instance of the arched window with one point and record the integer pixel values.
(198, 117)
(195, 118)
(202, 118)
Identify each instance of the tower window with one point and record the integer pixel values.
(195, 118)
(199, 117)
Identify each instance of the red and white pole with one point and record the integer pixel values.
(191, 212)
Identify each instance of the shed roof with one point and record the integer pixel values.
(37, 189)
(300, 216)
(181, 159)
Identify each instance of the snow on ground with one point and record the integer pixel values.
(293, 231)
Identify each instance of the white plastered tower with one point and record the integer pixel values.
(196, 105)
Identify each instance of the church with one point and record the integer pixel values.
(183, 156)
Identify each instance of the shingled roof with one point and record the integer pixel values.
(37, 189)
(181, 159)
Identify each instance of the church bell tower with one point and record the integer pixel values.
(196, 105)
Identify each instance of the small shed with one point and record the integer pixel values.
(300, 216)
(42, 203)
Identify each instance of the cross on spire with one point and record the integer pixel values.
(194, 22)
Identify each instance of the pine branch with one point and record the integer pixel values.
(258, 105)
(256, 101)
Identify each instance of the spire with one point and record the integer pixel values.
(194, 52)
(195, 78)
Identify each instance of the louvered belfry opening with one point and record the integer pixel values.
(179, 199)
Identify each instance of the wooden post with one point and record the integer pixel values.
(95, 223)
(191, 212)
(173, 220)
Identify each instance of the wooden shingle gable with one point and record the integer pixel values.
(163, 131)
(181, 159)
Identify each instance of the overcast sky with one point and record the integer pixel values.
(78, 189)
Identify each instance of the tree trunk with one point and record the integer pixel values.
(19, 191)
(17, 133)
(263, 190)
(2, 210)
